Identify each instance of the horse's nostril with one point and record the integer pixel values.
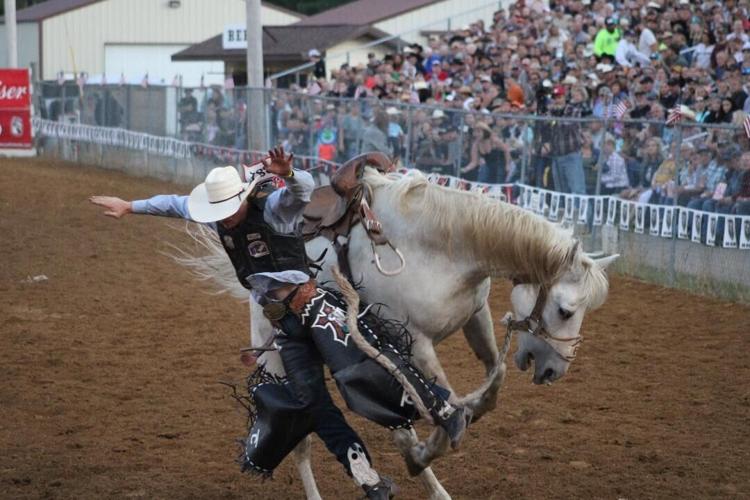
(548, 375)
(529, 358)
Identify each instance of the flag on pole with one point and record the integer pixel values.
(144, 81)
(81, 80)
(122, 79)
(176, 81)
(314, 88)
(203, 82)
(60, 78)
(104, 79)
(677, 113)
(620, 109)
(674, 116)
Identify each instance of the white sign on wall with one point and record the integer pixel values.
(234, 37)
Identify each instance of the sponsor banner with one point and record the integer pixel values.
(15, 109)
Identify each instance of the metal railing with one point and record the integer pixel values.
(448, 144)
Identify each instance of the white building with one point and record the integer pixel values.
(407, 19)
(130, 37)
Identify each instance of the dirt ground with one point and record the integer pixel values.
(109, 375)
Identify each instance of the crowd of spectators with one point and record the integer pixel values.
(554, 87)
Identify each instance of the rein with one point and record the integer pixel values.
(533, 324)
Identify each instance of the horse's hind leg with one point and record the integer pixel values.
(480, 334)
(304, 467)
(407, 442)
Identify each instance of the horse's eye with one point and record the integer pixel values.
(565, 314)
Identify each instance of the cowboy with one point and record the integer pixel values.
(261, 234)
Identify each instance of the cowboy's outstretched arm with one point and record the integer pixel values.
(167, 205)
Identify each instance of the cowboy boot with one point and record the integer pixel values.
(454, 421)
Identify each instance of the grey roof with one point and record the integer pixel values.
(362, 12)
(52, 8)
(281, 43)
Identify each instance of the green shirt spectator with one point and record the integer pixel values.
(605, 43)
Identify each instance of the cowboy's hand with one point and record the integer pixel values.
(277, 163)
(114, 207)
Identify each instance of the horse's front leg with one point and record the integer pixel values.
(425, 358)
(480, 334)
(407, 442)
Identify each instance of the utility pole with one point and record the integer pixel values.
(256, 109)
(10, 30)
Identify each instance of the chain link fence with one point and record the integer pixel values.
(642, 188)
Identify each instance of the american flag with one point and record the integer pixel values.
(746, 124)
(144, 82)
(674, 116)
(620, 109)
(314, 88)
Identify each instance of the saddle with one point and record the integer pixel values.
(334, 209)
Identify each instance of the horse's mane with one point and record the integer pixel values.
(504, 239)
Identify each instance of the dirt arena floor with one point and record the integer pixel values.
(109, 375)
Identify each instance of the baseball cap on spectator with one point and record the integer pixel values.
(420, 85)
(604, 67)
(485, 78)
(437, 114)
(653, 5)
(610, 21)
(465, 89)
(746, 46)
(558, 90)
(570, 80)
(313, 53)
(392, 111)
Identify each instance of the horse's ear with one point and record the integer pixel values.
(606, 261)
(571, 255)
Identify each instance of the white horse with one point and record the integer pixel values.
(453, 243)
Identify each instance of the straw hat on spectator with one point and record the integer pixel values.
(392, 111)
(437, 114)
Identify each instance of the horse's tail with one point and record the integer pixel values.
(209, 261)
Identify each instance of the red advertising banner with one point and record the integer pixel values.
(15, 109)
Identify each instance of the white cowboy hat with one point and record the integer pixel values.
(220, 196)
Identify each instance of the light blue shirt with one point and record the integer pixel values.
(283, 212)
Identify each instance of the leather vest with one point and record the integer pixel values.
(254, 246)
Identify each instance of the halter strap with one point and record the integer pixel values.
(533, 324)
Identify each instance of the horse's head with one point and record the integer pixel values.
(549, 335)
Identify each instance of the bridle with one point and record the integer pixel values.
(533, 324)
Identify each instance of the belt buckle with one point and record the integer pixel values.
(274, 311)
